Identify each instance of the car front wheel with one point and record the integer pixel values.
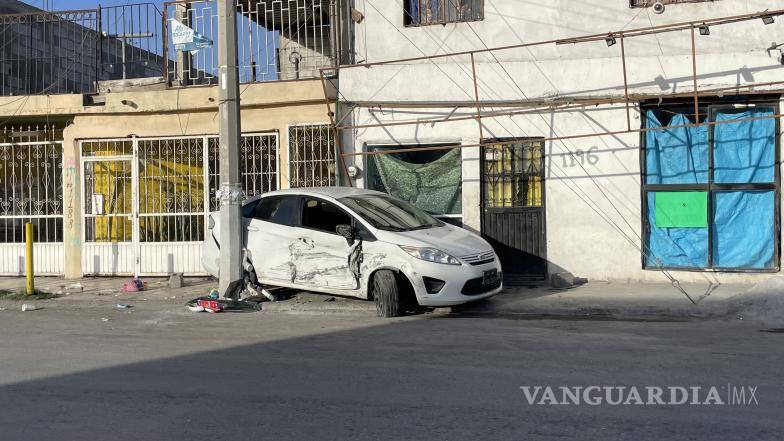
(386, 294)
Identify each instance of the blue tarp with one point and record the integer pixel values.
(744, 152)
(675, 247)
(676, 156)
(743, 229)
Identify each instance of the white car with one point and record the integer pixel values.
(360, 243)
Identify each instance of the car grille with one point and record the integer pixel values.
(479, 258)
(474, 287)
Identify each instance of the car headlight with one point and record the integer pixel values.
(431, 255)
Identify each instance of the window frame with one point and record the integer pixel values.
(304, 198)
(710, 108)
(408, 19)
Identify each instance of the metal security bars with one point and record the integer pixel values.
(171, 189)
(430, 12)
(158, 186)
(258, 167)
(31, 191)
(278, 40)
(311, 156)
(513, 174)
(70, 51)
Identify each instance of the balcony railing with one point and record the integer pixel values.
(277, 40)
(70, 51)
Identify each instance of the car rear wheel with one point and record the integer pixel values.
(386, 294)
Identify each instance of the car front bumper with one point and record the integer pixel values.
(462, 284)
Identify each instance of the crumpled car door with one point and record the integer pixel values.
(322, 260)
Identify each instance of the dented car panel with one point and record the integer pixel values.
(310, 250)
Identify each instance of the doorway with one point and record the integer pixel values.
(513, 207)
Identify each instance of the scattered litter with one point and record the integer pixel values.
(124, 306)
(76, 287)
(329, 299)
(268, 295)
(104, 319)
(30, 307)
(214, 295)
(206, 304)
(133, 285)
(175, 280)
(2, 309)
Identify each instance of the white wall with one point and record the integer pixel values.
(593, 210)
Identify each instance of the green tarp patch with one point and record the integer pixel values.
(682, 209)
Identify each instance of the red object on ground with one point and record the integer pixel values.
(210, 304)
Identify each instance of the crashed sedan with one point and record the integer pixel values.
(360, 243)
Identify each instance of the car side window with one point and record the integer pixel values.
(279, 210)
(322, 215)
(247, 209)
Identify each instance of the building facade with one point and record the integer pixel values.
(596, 158)
(117, 176)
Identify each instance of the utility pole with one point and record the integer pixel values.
(230, 192)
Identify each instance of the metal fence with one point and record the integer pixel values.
(277, 40)
(70, 51)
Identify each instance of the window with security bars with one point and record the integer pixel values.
(513, 174)
(258, 165)
(311, 156)
(31, 190)
(431, 12)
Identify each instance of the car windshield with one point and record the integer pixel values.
(387, 213)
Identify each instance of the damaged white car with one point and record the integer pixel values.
(360, 243)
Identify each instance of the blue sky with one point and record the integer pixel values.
(85, 4)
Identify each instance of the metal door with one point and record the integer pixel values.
(109, 207)
(513, 207)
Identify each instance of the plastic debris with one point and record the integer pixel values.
(104, 319)
(196, 308)
(133, 285)
(76, 287)
(30, 307)
(206, 304)
(214, 295)
(124, 306)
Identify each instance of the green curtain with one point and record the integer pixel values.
(434, 187)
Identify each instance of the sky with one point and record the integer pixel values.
(85, 4)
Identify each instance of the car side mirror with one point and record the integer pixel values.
(346, 231)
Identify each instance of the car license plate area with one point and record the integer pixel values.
(489, 277)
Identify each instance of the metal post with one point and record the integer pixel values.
(694, 77)
(230, 192)
(182, 13)
(30, 286)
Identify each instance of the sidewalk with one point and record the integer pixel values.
(611, 301)
(592, 301)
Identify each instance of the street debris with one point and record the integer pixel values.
(75, 287)
(329, 299)
(30, 307)
(124, 306)
(104, 319)
(207, 304)
(133, 285)
(566, 280)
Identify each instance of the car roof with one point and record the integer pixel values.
(330, 192)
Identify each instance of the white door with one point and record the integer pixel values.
(271, 240)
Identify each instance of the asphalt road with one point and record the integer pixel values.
(162, 373)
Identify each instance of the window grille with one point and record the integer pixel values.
(311, 156)
(430, 12)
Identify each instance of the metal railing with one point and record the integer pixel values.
(70, 51)
(430, 12)
(278, 40)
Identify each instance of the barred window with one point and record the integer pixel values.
(430, 12)
(311, 156)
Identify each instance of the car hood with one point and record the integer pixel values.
(453, 240)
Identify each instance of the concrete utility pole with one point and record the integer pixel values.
(230, 192)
